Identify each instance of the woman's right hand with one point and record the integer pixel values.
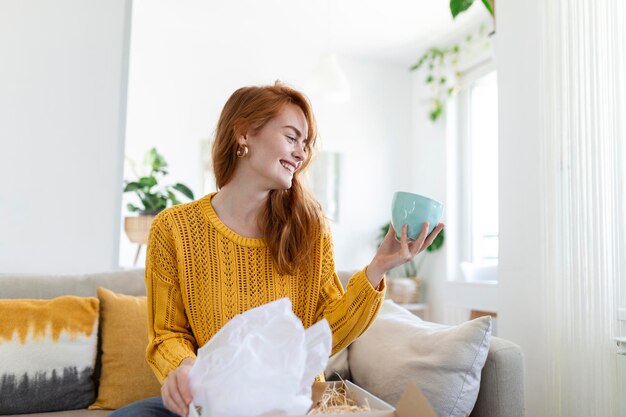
(175, 392)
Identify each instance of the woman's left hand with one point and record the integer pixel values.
(392, 253)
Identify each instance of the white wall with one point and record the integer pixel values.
(62, 109)
(180, 78)
(434, 173)
(373, 133)
(429, 178)
(520, 316)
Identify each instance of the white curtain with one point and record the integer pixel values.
(584, 218)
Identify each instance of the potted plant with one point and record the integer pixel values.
(153, 198)
(405, 281)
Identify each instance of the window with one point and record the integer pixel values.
(483, 163)
(477, 178)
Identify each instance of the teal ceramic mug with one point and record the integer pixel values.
(414, 210)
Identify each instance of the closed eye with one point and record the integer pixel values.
(291, 139)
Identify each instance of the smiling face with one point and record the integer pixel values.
(277, 150)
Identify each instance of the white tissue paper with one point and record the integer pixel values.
(261, 363)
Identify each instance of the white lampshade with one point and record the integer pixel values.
(329, 81)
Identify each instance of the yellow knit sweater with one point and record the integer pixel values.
(200, 274)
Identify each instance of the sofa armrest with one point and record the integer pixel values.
(502, 382)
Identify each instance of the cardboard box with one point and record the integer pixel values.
(379, 407)
(411, 404)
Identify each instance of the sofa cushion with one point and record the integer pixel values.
(84, 285)
(69, 413)
(445, 362)
(125, 374)
(47, 354)
(501, 382)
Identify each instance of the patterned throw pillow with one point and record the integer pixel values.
(47, 354)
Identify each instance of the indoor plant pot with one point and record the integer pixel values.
(137, 228)
(153, 198)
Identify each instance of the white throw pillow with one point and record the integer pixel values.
(445, 362)
(338, 367)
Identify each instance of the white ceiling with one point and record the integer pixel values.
(393, 30)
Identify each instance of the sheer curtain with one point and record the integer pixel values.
(583, 159)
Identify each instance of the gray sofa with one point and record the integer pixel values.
(501, 387)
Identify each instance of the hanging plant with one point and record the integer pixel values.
(458, 6)
(438, 61)
(442, 70)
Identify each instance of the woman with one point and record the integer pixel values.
(261, 237)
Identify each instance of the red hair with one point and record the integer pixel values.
(292, 219)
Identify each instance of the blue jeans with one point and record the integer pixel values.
(150, 407)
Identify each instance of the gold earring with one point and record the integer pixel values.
(242, 151)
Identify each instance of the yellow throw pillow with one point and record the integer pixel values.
(125, 376)
(47, 354)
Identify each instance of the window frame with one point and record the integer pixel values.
(459, 139)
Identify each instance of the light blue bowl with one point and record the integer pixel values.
(414, 210)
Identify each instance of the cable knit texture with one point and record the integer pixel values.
(200, 274)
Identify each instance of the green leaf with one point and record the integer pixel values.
(419, 63)
(162, 205)
(150, 157)
(132, 186)
(147, 182)
(488, 6)
(429, 79)
(184, 190)
(383, 232)
(437, 111)
(438, 242)
(458, 6)
(173, 198)
(442, 80)
(154, 202)
(154, 160)
(438, 52)
(132, 208)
